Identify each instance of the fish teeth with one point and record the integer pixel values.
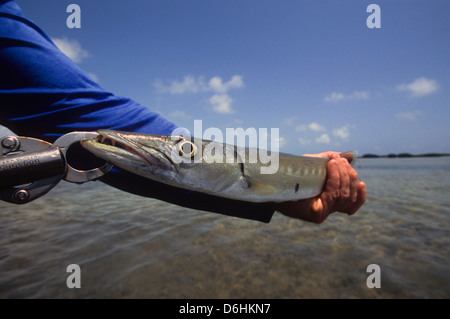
(107, 141)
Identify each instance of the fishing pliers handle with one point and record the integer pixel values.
(30, 167)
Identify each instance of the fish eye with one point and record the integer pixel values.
(187, 149)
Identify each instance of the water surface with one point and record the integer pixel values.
(135, 247)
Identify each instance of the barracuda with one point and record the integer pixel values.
(210, 167)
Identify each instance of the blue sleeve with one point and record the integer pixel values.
(43, 94)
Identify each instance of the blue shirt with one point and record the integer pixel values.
(43, 94)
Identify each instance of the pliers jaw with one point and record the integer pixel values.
(74, 175)
(29, 167)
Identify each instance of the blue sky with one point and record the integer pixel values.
(313, 69)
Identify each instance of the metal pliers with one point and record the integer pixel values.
(30, 167)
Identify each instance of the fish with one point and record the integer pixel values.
(220, 169)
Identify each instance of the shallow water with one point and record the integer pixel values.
(134, 247)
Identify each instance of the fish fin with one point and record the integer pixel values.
(260, 188)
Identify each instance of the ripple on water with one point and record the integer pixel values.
(131, 246)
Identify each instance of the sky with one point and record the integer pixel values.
(314, 70)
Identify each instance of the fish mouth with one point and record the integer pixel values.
(121, 148)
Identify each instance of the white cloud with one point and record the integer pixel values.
(338, 96)
(359, 95)
(316, 127)
(216, 84)
(93, 76)
(179, 114)
(281, 141)
(408, 116)
(323, 139)
(340, 132)
(343, 132)
(190, 84)
(221, 103)
(335, 97)
(313, 126)
(71, 48)
(419, 87)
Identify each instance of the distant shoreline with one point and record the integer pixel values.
(404, 155)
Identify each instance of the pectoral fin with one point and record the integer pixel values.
(259, 188)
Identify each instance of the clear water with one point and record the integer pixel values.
(134, 247)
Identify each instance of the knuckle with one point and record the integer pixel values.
(345, 194)
(336, 194)
(353, 174)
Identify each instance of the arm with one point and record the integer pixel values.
(43, 94)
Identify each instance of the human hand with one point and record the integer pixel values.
(342, 192)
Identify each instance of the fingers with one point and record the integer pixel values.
(360, 199)
(347, 155)
(344, 185)
(349, 183)
(353, 175)
(342, 193)
(352, 194)
(332, 187)
(329, 154)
